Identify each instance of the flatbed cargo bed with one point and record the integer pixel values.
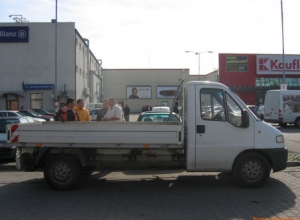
(96, 134)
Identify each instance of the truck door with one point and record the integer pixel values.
(219, 135)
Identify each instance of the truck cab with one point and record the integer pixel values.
(229, 137)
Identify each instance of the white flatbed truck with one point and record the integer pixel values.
(228, 137)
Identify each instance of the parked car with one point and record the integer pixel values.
(253, 108)
(43, 112)
(7, 152)
(93, 114)
(261, 112)
(161, 109)
(17, 114)
(10, 113)
(151, 116)
(34, 114)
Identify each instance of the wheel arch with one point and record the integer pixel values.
(257, 151)
(44, 155)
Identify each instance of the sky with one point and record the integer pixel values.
(131, 34)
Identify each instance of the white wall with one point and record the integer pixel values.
(33, 62)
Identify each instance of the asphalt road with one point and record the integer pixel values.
(153, 194)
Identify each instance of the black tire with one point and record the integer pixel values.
(251, 170)
(282, 124)
(62, 173)
(297, 123)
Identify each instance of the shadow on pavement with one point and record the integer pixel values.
(157, 197)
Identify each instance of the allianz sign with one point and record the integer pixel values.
(14, 34)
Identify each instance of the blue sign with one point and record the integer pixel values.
(14, 34)
(37, 87)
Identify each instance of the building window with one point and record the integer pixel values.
(79, 46)
(83, 74)
(274, 83)
(36, 100)
(83, 50)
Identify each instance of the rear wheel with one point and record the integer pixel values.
(297, 123)
(251, 170)
(62, 173)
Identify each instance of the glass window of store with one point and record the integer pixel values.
(36, 100)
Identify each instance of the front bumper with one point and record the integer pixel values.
(278, 157)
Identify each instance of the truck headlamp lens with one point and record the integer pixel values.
(279, 139)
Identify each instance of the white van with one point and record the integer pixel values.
(282, 107)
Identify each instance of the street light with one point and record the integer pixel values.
(282, 35)
(16, 18)
(198, 53)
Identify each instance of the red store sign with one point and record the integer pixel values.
(273, 64)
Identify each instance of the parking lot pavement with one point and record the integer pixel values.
(154, 194)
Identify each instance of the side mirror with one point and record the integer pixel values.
(245, 118)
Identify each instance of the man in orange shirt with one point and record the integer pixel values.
(67, 113)
(83, 113)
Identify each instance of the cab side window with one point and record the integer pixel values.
(234, 112)
(212, 105)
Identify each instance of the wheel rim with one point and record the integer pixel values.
(61, 173)
(252, 171)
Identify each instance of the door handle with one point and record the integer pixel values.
(200, 129)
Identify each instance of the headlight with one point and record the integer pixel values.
(51, 119)
(279, 139)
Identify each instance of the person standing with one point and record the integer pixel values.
(114, 112)
(83, 113)
(102, 112)
(126, 111)
(148, 107)
(67, 113)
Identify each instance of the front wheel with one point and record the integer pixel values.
(251, 170)
(297, 123)
(62, 173)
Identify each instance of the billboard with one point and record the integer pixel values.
(273, 64)
(14, 34)
(166, 92)
(236, 64)
(141, 92)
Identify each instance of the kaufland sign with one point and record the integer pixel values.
(273, 64)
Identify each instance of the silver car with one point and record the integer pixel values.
(17, 114)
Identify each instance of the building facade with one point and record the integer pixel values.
(251, 75)
(27, 66)
(139, 87)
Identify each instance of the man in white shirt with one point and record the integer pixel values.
(114, 112)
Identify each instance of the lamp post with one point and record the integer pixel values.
(282, 34)
(55, 62)
(16, 18)
(198, 53)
